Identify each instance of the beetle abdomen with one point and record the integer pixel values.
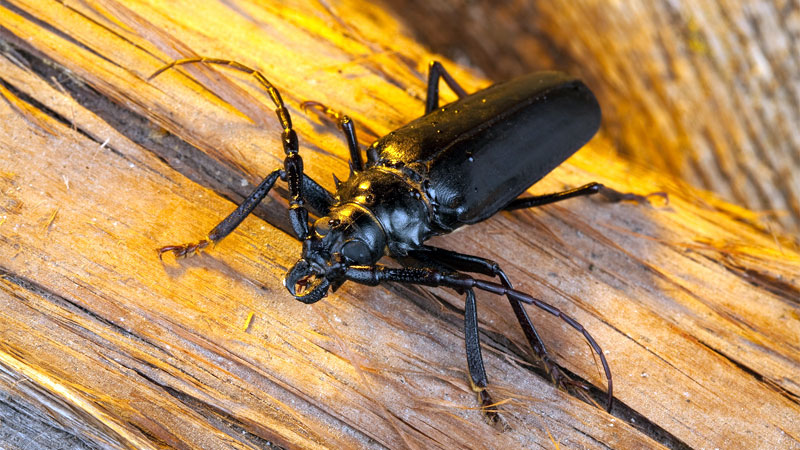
(482, 151)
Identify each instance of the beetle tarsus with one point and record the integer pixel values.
(615, 196)
(488, 406)
(184, 250)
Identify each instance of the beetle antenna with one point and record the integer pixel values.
(274, 95)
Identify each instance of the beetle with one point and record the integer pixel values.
(455, 165)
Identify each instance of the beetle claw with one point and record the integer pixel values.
(183, 250)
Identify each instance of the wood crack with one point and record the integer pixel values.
(222, 420)
(769, 384)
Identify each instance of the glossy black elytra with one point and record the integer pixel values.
(456, 165)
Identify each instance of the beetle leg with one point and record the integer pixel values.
(346, 125)
(435, 71)
(475, 264)
(374, 275)
(609, 194)
(318, 198)
(292, 172)
(229, 223)
(472, 344)
(539, 200)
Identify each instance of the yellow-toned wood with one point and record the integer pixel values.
(699, 91)
(696, 310)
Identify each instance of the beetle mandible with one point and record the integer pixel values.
(455, 165)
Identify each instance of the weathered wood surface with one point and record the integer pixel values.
(701, 91)
(696, 310)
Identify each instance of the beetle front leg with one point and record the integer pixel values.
(229, 223)
(435, 71)
(318, 198)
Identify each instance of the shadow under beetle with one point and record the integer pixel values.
(456, 165)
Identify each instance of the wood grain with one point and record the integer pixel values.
(704, 92)
(695, 308)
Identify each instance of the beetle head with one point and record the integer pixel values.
(349, 235)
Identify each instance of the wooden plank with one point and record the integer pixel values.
(696, 310)
(167, 380)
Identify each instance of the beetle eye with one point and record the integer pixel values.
(322, 226)
(356, 251)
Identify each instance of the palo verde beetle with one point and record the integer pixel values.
(456, 165)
